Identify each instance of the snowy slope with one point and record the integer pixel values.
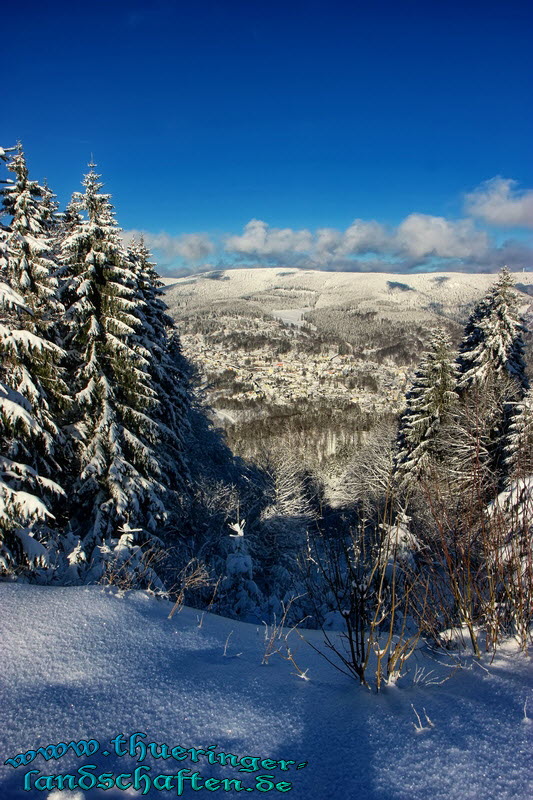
(318, 289)
(86, 663)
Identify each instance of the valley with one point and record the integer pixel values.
(309, 358)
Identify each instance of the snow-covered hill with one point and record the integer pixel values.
(86, 663)
(274, 288)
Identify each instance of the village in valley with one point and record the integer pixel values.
(280, 370)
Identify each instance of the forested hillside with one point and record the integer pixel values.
(112, 472)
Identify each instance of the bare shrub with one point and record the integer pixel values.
(509, 564)
(276, 639)
(371, 587)
(193, 576)
(478, 560)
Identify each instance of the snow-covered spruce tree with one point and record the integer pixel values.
(492, 376)
(508, 543)
(72, 217)
(158, 340)
(67, 222)
(3, 227)
(53, 218)
(28, 436)
(519, 447)
(493, 343)
(214, 486)
(30, 269)
(5, 154)
(30, 266)
(430, 402)
(31, 389)
(119, 480)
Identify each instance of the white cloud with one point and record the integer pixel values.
(364, 237)
(262, 242)
(421, 235)
(327, 242)
(499, 203)
(190, 247)
(418, 237)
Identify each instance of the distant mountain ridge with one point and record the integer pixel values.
(273, 288)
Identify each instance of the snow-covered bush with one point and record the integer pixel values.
(239, 595)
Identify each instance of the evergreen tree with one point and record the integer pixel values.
(68, 222)
(72, 216)
(493, 345)
(3, 228)
(158, 339)
(52, 218)
(519, 447)
(492, 377)
(30, 382)
(239, 595)
(28, 436)
(119, 477)
(430, 402)
(29, 267)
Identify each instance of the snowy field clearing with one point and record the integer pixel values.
(292, 316)
(85, 663)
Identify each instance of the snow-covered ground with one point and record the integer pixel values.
(291, 316)
(86, 663)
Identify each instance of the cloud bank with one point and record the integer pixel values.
(419, 242)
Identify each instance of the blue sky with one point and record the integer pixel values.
(359, 135)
